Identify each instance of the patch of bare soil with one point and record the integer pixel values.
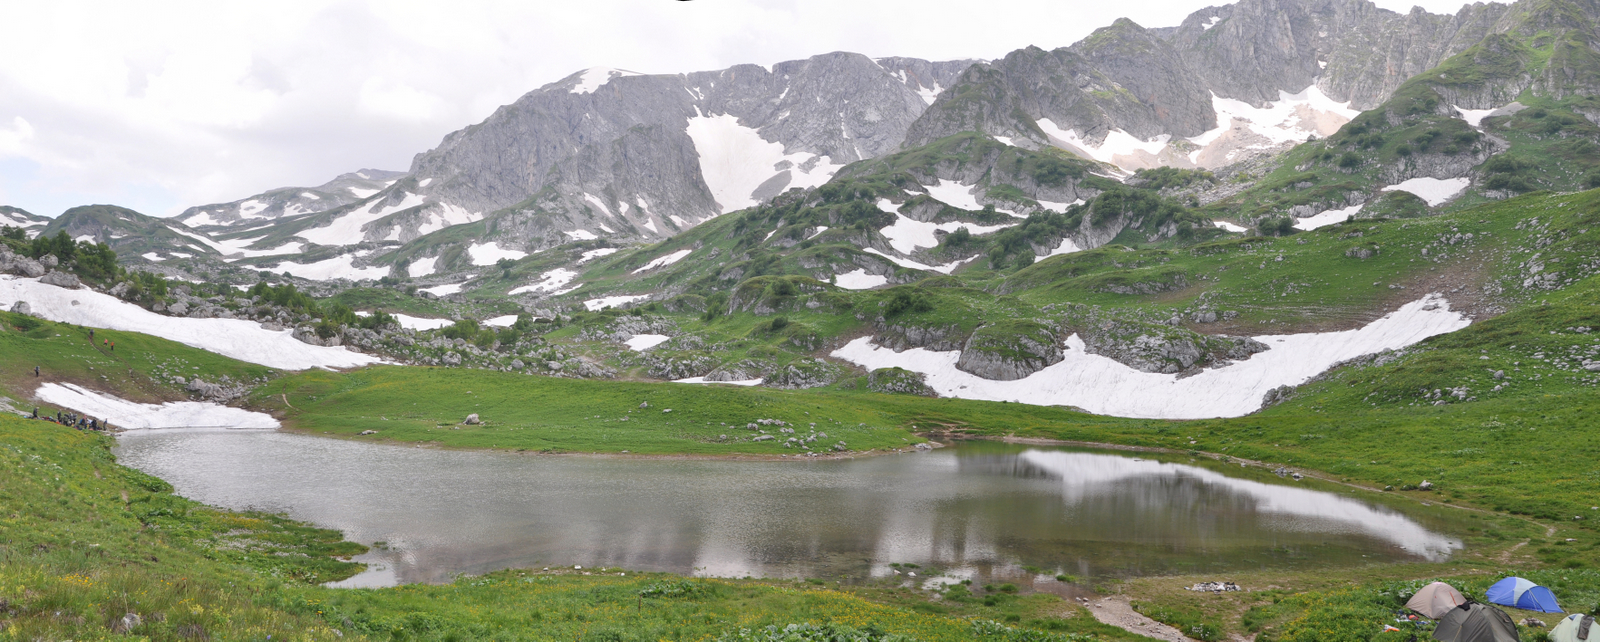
(1118, 612)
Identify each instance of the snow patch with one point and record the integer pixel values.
(422, 267)
(128, 415)
(151, 256)
(595, 305)
(362, 192)
(251, 209)
(1230, 227)
(597, 253)
(443, 290)
(339, 267)
(595, 77)
(859, 280)
(908, 263)
(1066, 247)
(664, 260)
(908, 234)
(642, 342)
(735, 160)
(955, 195)
(929, 94)
(548, 282)
(582, 235)
(600, 205)
(1327, 218)
(1059, 208)
(1207, 25)
(503, 321)
(425, 182)
(234, 338)
(346, 229)
(444, 215)
(491, 252)
(1104, 386)
(747, 382)
(421, 323)
(1434, 191)
(1117, 143)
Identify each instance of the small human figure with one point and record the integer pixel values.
(35, 412)
(91, 335)
(36, 371)
(113, 346)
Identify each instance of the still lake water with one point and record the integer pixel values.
(973, 511)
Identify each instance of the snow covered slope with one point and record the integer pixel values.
(1101, 385)
(235, 338)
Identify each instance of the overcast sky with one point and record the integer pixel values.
(159, 106)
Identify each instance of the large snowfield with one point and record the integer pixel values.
(735, 160)
(1103, 386)
(1433, 190)
(235, 338)
(127, 415)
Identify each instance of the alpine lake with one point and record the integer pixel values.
(983, 511)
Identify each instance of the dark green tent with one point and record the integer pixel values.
(1474, 622)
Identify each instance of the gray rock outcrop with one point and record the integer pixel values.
(900, 382)
(1009, 351)
(61, 280)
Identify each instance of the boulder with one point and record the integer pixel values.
(471, 420)
(49, 261)
(178, 309)
(1009, 350)
(22, 307)
(21, 266)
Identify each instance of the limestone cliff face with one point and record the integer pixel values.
(1148, 83)
(613, 153)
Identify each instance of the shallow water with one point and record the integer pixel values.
(973, 511)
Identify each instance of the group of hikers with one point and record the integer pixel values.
(74, 420)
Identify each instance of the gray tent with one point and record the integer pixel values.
(1474, 622)
(1578, 627)
(1435, 600)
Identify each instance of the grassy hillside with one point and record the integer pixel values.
(88, 542)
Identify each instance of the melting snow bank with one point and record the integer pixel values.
(128, 415)
(859, 280)
(596, 305)
(1085, 475)
(642, 342)
(1434, 191)
(1101, 385)
(1327, 218)
(235, 338)
(1230, 227)
(746, 382)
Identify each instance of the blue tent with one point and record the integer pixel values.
(1520, 593)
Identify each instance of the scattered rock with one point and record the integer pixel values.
(899, 381)
(128, 621)
(1425, 485)
(368, 432)
(1214, 587)
(472, 419)
(1532, 623)
(1276, 396)
(764, 438)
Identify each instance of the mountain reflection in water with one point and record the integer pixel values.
(982, 510)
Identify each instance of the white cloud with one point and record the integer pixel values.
(159, 106)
